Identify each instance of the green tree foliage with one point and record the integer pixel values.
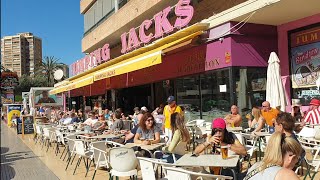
(26, 82)
(49, 65)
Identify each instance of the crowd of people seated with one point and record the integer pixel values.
(282, 154)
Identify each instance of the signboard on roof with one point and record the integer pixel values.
(132, 40)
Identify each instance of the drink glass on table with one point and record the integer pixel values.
(224, 152)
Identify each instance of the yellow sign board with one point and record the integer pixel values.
(132, 64)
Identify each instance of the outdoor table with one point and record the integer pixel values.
(209, 160)
(206, 160)
(77, 133)
(230, 129)
(147, 147)
(107, 136)
(260, 135)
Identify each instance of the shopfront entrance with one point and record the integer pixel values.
(138, 96)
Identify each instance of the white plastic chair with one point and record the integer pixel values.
(100, 155)
(197, 122)
(39, 134)
(83, 154)
(123, 162)
(60, 141)
(149, 167)
(251, 148)
(46, 137)
(313, 164)
(70, 149)
(71, 128)
(52, 137)
(199, 136)
(182, 174)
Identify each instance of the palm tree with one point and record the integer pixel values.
(48, 66)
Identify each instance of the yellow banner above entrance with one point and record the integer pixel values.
(80, 83)
(132, 64)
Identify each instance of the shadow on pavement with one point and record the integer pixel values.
(7, 159)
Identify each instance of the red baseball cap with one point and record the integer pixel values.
(219, 123)
(315, 102)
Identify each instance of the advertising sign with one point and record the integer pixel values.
(43, 98)
(13, 112)
(9, 80)
(305, 62)
(305, 57)
(131, 40)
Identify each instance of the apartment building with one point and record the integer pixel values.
(209, 54)
(21, 53)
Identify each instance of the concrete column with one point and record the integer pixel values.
(116, 5)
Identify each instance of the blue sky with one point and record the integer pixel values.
(59, 24)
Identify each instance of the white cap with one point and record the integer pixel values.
(144, 109)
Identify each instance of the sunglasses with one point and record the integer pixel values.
(101, 116)
(149, 120)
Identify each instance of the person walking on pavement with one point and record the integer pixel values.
(169, 109)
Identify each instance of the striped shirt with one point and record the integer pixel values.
(313, 117)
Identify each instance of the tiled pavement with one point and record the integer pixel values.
(18, 161)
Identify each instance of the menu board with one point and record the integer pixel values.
(27, 125)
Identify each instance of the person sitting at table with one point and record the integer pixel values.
(74, 118)
(67, 119)
(117, 123)
(285, 123)
(296, 111)
(129, 135)
(147, 132)
(180, 138)
(101, 124)
(221, 137)
(234, 119)
(313, 116)
(269, 113)
(258, 121)
(61, 117)
(91, 119)
(282, 153)
(134, 117)
(80, 115)
(159, 118)
(106, 114)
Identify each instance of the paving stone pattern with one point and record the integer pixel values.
(18, 161)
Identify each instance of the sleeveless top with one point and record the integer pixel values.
(267, 174)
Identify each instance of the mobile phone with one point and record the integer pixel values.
(194, 155)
